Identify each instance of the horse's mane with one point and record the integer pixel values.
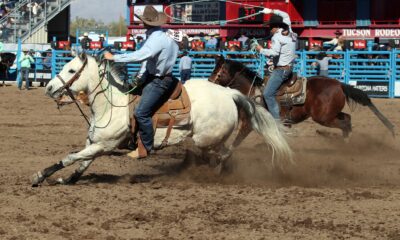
(117, 70)
(235, 67)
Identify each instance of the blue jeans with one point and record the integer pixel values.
(324, 73)
(185, 75)
(278, 76)
(24, 76)
(154, 94)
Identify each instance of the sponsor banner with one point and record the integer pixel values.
(126, 45)
(314, 43)
(360, 44)
(397, 89)
(371, 33)
(374, 88)
(95, 45)
(63, 44)
(186, 31)
(40, 75)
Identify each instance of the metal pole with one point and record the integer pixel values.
(19, 83)
(30, 16)
(53, 59)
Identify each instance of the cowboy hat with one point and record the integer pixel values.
(276, 21)
(85, 34)
(152, 17)
(102, 35)
(338, 32)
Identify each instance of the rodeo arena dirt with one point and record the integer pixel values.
(335, 190)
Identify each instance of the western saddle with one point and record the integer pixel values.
(291, 89)
(173, 111)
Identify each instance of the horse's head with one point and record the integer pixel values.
(220, 74)
(74, 76)
(7, 59)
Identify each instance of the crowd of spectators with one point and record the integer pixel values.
(29, 13)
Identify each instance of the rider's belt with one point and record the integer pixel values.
(160, 77)
(287, 67)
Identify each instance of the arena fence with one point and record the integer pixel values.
(376, 72)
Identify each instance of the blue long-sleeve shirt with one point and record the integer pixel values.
(185, 63)
(282, 46)
(159, 53)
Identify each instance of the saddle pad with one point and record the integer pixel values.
(295, 95)
(294, 89)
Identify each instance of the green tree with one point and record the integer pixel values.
(114, 28)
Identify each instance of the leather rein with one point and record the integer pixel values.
(66, 87)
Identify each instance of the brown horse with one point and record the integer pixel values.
(326, 97)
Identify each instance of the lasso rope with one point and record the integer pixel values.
(211, 22)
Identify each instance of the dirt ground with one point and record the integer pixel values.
(335, 191)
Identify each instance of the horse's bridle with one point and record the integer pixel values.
(233, 78)
(66, 86)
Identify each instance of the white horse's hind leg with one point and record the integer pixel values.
(87, 155)
(74, 177)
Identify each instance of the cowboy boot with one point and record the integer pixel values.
(139, 152)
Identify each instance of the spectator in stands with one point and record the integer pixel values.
(222, 44)
(184, 45)
(85, 41)
(34, 8)
(244, 41)
(185, 67)
(139, 42)
(7, 28)
(25, 60)
(337, 43)
(3, 10)
(131, 38)
(323, 64)
(197, 44)
(47, 60)
(202, 37)
(211, 42)
(102, 39)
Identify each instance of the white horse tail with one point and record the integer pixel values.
(265, 125)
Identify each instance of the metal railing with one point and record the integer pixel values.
(377, 72)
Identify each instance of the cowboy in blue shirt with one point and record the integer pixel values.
(158, 56)
(283, 50)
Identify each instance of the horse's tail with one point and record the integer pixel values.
(264, 124)
(358, 96)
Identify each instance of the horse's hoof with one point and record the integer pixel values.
(219, 169)
(37, 179)
(60, 181)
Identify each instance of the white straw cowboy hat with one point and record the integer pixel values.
(152, 17)
(85, 34)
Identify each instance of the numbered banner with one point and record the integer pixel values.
(246, 12)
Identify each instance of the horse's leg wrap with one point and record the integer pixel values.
(74, 177)
(39, 177)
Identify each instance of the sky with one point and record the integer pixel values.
(105, 10)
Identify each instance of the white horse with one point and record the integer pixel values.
(213, 118)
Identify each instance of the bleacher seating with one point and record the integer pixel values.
(25, 17)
